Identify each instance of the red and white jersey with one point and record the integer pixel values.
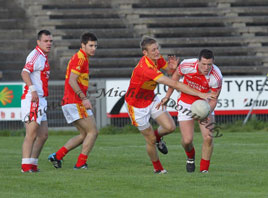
(188, 68)
(38, 67)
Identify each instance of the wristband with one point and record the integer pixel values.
(78, 92)
(32, 88)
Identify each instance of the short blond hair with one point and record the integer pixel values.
(145, 41)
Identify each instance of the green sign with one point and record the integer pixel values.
(10, 95)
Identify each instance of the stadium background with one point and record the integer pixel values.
(236, 30)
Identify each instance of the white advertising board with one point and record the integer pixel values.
(237, 96)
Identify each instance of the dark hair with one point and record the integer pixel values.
(145, 41)
(88, 37)
(205, 53)
(40, 33)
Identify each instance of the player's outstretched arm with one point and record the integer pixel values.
(184, 88)
(170, 90)
(176, 77)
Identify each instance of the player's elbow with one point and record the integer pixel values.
(178, 85)
(23, 74)
(161, 80)
(71, 82)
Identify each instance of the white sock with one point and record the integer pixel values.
(34, 161)
(26, 161)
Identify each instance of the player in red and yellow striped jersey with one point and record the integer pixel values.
(144, 81)
(76, 106)
(77, 65)
(141, 101)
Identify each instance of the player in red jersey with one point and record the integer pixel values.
(141, 101)
(76, 107)
(202, 75)
(35, 74)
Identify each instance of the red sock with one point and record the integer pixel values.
(82, 159)
(61, 153)
(157, 166)
(204, 164)
(34, 167)
(157, 135)
(26, 167)
(191, 153)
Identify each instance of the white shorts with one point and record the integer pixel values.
(140, 116)
(184, 111)
(73, 112)
(34, 111)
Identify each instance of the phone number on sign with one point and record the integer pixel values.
(225, 103)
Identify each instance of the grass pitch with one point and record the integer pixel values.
(120, 168)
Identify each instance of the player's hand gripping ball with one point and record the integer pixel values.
(200, 109)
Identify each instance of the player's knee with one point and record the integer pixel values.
(95, 133)
(208, 140)
(151, 140)
(82, 135)
(44, 136)
(30, 136)
(187, 142)
(171, 128)
(92, 133)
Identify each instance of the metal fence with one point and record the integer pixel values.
(55, 116)
(219, 119)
